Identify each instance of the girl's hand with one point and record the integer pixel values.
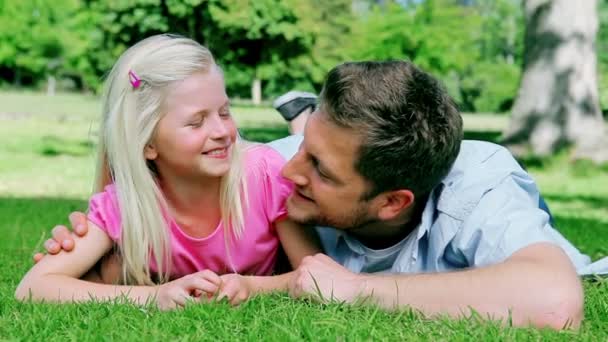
(193, 287)
(235, 288)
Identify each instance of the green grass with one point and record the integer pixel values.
(46, 167)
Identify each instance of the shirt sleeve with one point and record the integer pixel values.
(506, 219)
(276, 188)
(104, 212)
(288, 146)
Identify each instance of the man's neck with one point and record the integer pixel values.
(383, 234)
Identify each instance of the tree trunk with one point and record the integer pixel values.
(256, 91)
(50, 85)
(557, 103)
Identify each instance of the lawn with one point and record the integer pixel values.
(46, 168)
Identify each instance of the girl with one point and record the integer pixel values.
(179, 194)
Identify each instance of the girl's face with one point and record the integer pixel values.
(196, 135)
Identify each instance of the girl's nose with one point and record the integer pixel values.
(218, 127)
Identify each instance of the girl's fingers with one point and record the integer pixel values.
(197, 283)
(210, 276)
(239, 298)
(179, 299)
(227, 292)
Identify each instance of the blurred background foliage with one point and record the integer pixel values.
(475, 47)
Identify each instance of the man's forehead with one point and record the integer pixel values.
(333, 145)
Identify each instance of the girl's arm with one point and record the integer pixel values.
(298, 242)
(56, 277)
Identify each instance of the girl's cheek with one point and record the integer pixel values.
(233, 131)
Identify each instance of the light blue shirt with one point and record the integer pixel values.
(483, 211)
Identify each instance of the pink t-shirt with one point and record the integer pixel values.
(254, 253)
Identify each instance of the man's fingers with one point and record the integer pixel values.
(78, 221)
(38, 257)
(67, 245)
(51, 246)
(60, 235)
(295, 286)
(324, 258)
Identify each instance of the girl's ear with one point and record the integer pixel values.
(150, 152)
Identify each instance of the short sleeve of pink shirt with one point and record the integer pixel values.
(254, 253)
(104, 211)
(264, 166)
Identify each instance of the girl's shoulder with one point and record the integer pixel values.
(261, 157)
(266, 186)
(106, 197)
(104, 211)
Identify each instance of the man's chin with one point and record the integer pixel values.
(301, 218)
(298, 215)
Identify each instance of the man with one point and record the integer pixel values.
(419, 218)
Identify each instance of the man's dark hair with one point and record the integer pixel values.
(410, 128)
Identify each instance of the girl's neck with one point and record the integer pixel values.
(192, 198)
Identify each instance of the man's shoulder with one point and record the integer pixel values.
(287, 146)
(480, 167)
(475, 152)
(481, 161)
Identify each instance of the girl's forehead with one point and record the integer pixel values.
(197, 93)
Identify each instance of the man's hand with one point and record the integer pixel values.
(235, 288)
(321, 278)
(62, 237)
(199, 286)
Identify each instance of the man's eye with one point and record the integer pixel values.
(322, 175)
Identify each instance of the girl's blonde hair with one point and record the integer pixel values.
(130, 116)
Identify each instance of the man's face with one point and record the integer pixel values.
(328, 190)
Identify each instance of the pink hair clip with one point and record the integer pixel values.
(135, 81)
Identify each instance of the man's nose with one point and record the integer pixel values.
(295, 170)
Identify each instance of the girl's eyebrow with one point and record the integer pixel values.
(204, 112)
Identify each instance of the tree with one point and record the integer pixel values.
(557, 104)
(258, 35)
(31, 42)
(279, 44)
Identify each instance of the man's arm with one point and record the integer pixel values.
(536, 286)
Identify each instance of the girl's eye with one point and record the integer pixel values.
(225, 114)
(196, 124)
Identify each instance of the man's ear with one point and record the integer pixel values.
(394, 203)
(150, 152)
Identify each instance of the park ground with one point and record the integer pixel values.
(46, 171)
